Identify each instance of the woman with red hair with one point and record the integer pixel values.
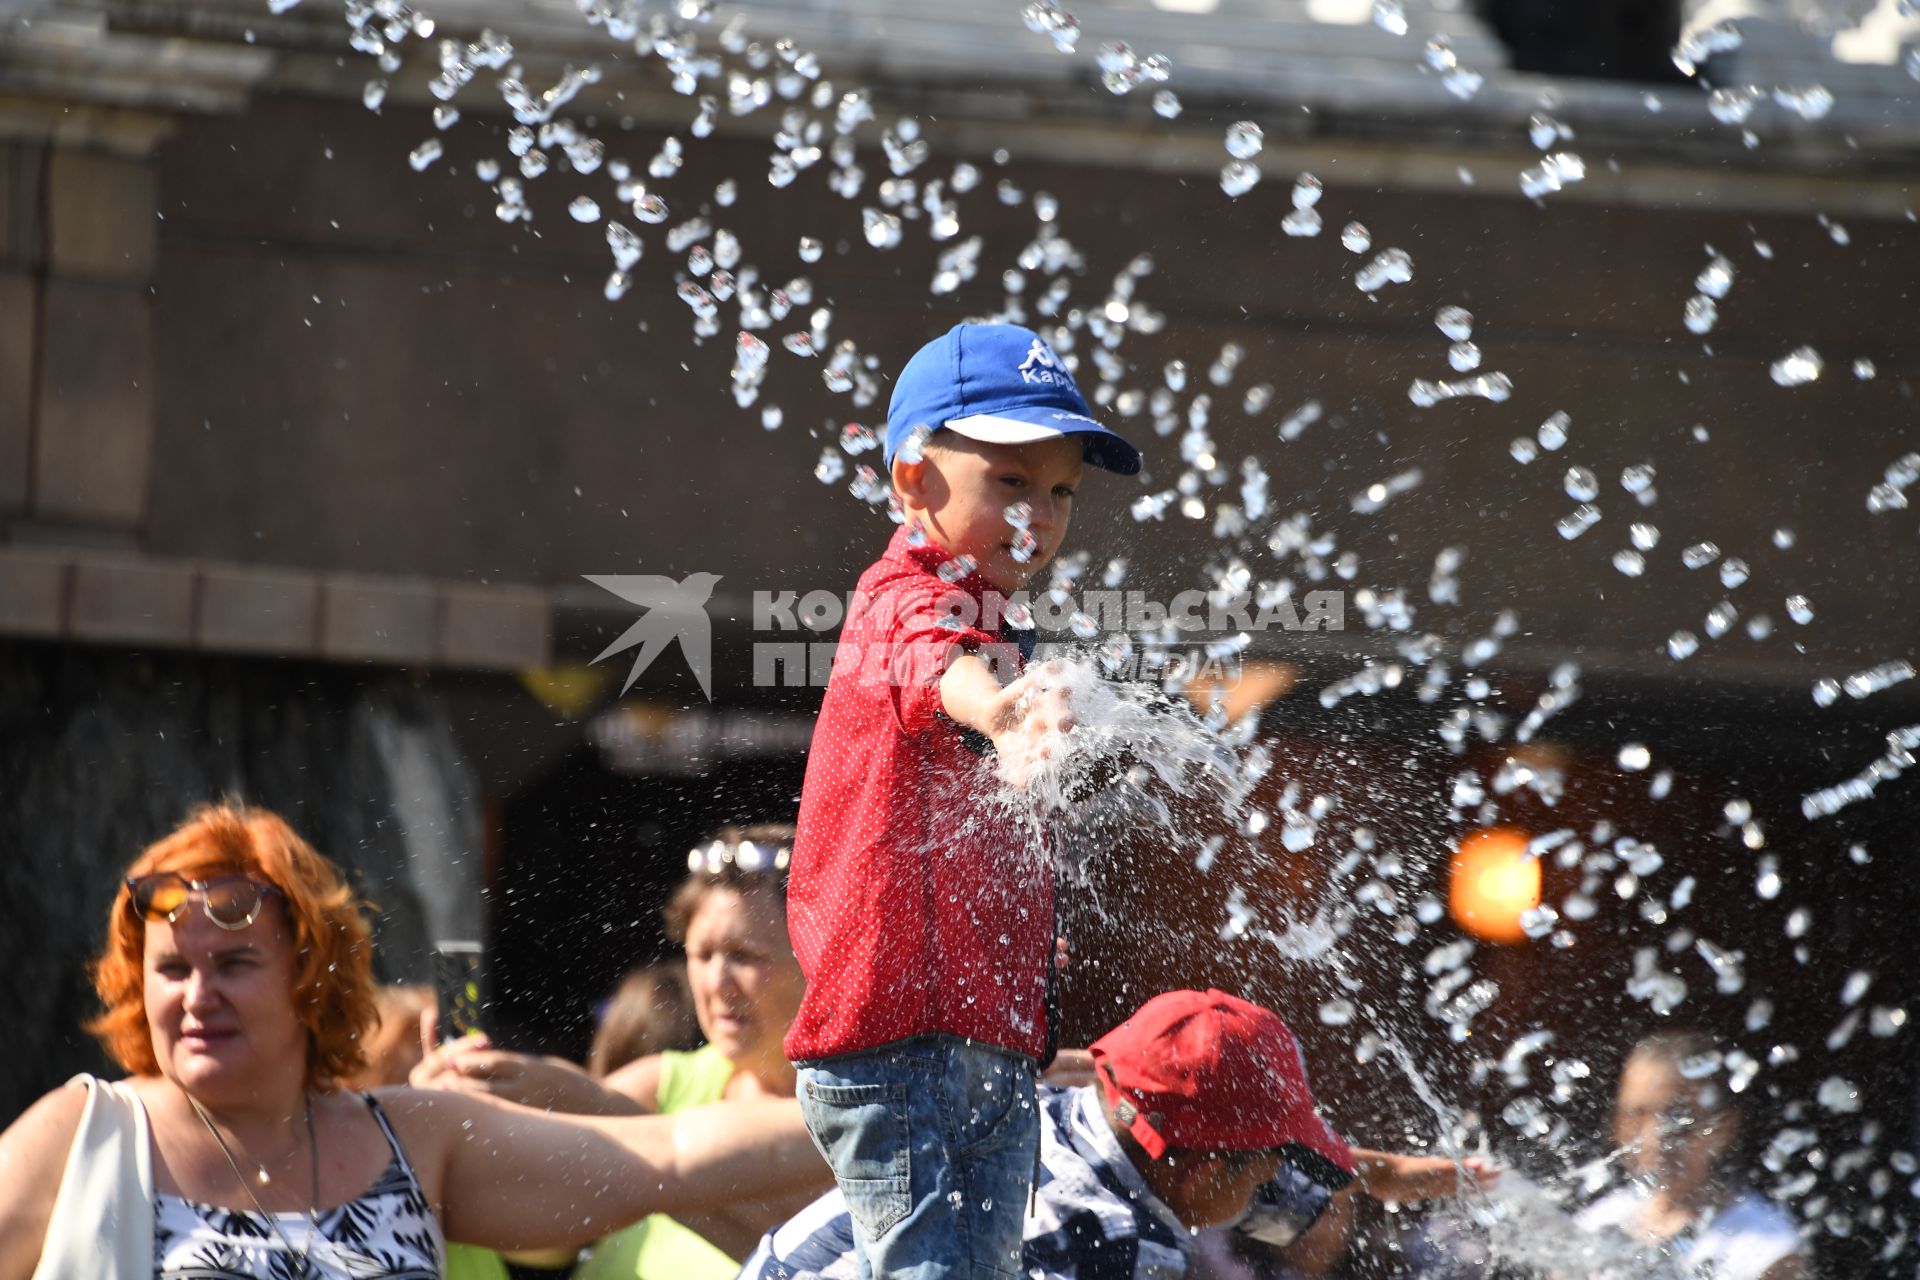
(238, 988)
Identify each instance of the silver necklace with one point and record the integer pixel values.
(301, 1256)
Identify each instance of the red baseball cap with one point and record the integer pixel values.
(1210, 1071)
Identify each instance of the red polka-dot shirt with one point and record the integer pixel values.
(916, 900)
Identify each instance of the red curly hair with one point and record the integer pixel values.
(333, 985)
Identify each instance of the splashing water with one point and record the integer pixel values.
(1170, 750)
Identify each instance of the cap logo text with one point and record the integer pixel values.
(1041, 365)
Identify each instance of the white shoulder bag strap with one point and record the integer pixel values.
(102, 1223)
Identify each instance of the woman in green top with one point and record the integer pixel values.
(730, 916)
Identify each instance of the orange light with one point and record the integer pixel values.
(1493, 882)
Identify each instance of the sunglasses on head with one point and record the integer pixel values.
(230, 901)
(746, 855)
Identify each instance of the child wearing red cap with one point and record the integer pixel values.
(1201, 1117)
(920, 911)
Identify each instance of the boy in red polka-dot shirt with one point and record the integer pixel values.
(920, 911)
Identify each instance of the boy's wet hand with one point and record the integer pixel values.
(1040, 717)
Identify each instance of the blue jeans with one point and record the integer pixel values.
(932, 1142)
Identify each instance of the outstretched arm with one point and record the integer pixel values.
(1388, 1175)
(514, 1179)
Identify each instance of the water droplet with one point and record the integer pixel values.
(374, 94)
(1244, 140)
(1238, 177)
(1682, 645)
(1715, 278)
(1863, 369)
(1018, 616)
(882, 229)
(1636, 479)
(1629, 562)
(1166, 104)
(913, 448)
(1701, 314)
(1800, 609)
(649, 208)
(1496, 387)
(1732, 105)
(1307, 191)
(1523, 449)
(584, 209)
(425, 154)
(1733, 572)
(1463, 356)
(1559, 170)
(1083, 625)
(1635, 756)
(1645, 536)
(624, 244)
(1355, 238)
(1553, 432)
(1797, 368)
(1838, 1096)
(954, 570)
(1699, 555)
(1389, 266)
(1338, 1012)
(1391, 17)
(1581, 484)
(1302, 223)
(1455, 322)
(1578, 521)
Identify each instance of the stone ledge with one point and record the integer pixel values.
(33, 592)
(252, 610)
(104, 597)
(491, 627)
(377, 619)
(131, 599)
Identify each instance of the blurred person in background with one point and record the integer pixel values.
(730, 916)
(1678, 1138)
(649, 1013)
(238, 991)
(399, 1039)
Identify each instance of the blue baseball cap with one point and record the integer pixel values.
(1001, 384)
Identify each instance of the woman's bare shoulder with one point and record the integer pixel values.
(33, 1155)
(44, 1130)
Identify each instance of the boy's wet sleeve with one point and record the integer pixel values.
(930, 627)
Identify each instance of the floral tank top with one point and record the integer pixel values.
(387, 1232)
